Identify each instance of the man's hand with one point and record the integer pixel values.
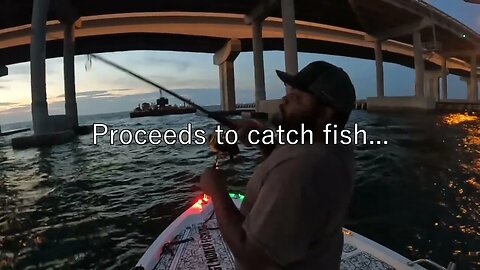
(244, 126)
(212, 182)
(230, 221)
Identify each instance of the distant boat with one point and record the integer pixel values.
(160, 109)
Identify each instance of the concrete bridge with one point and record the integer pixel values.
(407, 32)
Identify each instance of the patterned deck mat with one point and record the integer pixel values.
(355, 259)
(201, 246)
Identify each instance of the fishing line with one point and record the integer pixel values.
(221, 119)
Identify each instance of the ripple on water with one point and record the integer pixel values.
(84, 206)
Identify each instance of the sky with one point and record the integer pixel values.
(102, 89)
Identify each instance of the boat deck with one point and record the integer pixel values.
(200, 246)
(193, 241)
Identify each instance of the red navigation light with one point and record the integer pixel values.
(199, 204)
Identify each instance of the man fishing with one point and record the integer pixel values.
(297, 198)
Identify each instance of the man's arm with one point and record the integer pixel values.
(266, 149)
(230, 221)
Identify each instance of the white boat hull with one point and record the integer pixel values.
(193, 241)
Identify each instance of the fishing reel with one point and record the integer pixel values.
(221, 149)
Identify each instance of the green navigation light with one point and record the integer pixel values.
(236, 196)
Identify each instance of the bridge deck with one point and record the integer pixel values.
(370, 16)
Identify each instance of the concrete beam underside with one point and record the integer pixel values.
(199, 24)
(225, 58)
(403, 30)
(260, 12)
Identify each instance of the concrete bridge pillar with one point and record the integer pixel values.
(469, 87)
(258, 64)
(227, 86)
(69, 75)
(473, 86)
(432, 88)
(419, 64)
(379, 68)
(40, 116)
(289, 37)
(225, 58)
(444, 78)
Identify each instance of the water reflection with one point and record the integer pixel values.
(457, 118)
(467, 196)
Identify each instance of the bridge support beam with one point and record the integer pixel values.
(258, 64)
(48, 130)
(289, 37)
(444, 78)
(3, 71)
(227, 86)
(469, 86)
(69, 75)
(225, 58)
(473, 89)
(419, 64)
(379, 68)
(40, 116)
(432, 86)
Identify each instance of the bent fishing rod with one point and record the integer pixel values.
(221, 119)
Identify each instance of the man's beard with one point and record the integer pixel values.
(294, 122)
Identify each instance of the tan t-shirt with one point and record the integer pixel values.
(296, 202)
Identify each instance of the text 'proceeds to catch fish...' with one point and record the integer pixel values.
(188, 136)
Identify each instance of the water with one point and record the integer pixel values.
(84, 206)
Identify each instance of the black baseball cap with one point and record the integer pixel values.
(330, 84)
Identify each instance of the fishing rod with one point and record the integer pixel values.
(217, 149)
(221, 119)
